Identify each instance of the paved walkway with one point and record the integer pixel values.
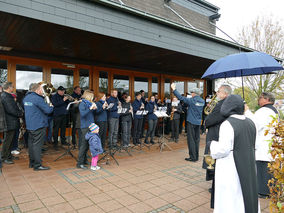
(149, 181)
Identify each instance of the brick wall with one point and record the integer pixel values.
(156, 7)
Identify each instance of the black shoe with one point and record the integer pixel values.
(152, 142)
(44, 149)
(8, 161)
(210, 190)
(176, 140)
(41, 168)
(65, 144)
(147, 142)
(263, 196)
(82, 166)
(190, 159)
(15, 158)
(31, 165)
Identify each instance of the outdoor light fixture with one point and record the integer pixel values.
(5, 48)
(215, 16)
(69, 65)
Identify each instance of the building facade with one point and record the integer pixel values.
(104, 44)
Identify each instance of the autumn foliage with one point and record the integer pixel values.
(276, 167)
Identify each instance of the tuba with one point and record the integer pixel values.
(211, 105)
(47, 89)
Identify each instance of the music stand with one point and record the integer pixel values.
(161, 141)
(110, 152)
(69, 148)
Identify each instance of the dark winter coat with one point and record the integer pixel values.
(3, 126)
(100, 113)
(12, 112)
(150, 108)
(95, 143)
(136, 106)
(178, 112)
(86, 115)
(113, 111)
(126, 116)
(59, 105)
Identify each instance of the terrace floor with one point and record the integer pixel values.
(147, 181)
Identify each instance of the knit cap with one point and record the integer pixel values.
(93, 127)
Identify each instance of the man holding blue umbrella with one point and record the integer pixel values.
(194, 115)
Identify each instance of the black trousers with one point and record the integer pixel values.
(143, 126)
(137, 129)
(263, 177)
(181, 122)
(36, 140)
(126, 131)
(151, 129)
(175, 128)
(83, 148)
(59, 122)
(74, 129)
(193, 138)
(103, 131)
(7, 145)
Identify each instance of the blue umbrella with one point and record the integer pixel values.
(242, 64)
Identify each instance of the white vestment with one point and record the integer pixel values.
(228, 191)
(262, 118)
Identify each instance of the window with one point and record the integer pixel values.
(167, 88)
(121, 84)
(154, 85)
(3, 71)
(103, 82)
(180, 86)
(141, 83)
(27, 74)
(191, 85)
(201, 87)
(84, 79)
(62, 77)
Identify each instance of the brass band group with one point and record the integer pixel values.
(235, 136)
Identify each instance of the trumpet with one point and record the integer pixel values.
(211, 105)
(69, 97)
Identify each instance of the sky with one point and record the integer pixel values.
(238, 13)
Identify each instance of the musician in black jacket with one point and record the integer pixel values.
(75, 114)
(176, 111)
(212, 123)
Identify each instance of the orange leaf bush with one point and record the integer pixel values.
(276, 167)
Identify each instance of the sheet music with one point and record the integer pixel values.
(139, 112)
(161, 114)
(110, 105)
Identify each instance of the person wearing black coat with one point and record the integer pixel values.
(212, 123)
(75, 114)
(12, 114)
(138, 108)
(126, 121)
(59, 115)
(176, 109)
(3, 126)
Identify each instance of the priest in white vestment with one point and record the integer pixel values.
(235, 172)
